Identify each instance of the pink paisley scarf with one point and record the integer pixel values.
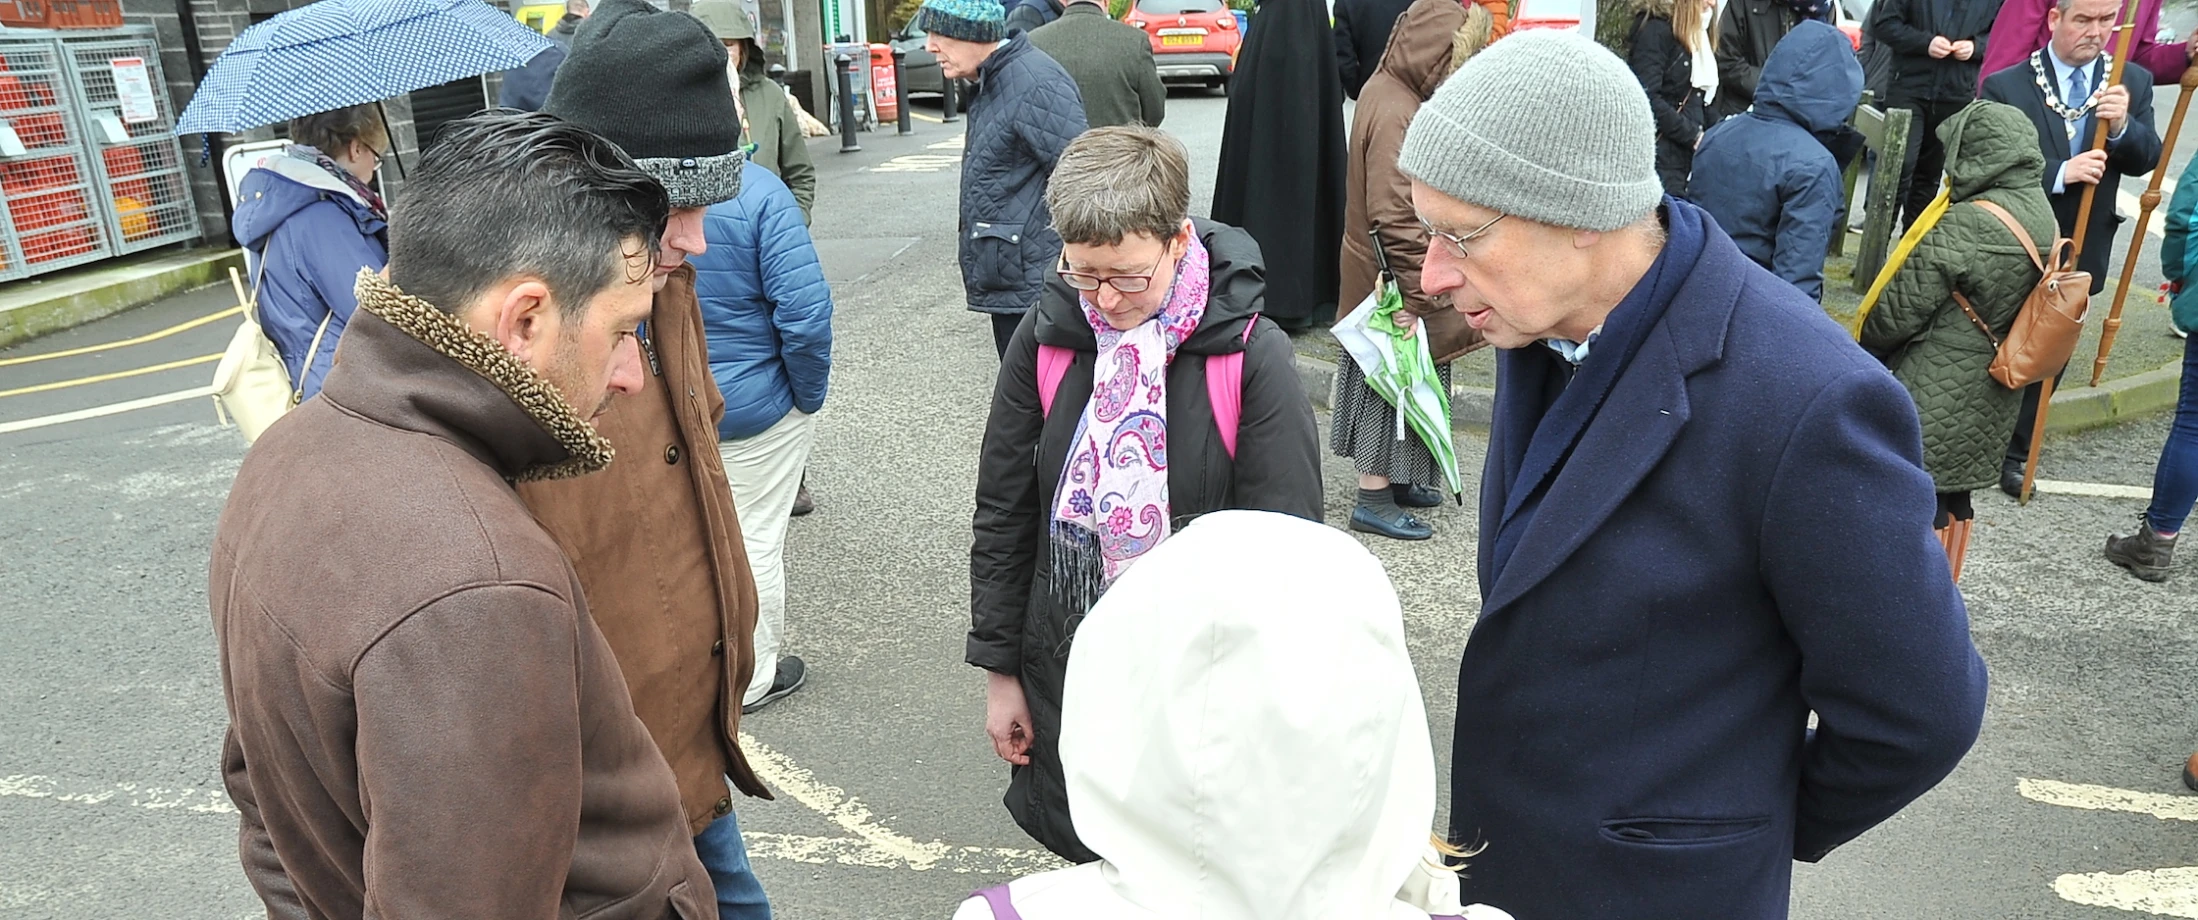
(1112, 502)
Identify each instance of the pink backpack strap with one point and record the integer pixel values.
(1224, 384)
(996, 898)
(1225, 389)
(1053, 362)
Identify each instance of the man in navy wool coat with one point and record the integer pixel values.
(1704, 517)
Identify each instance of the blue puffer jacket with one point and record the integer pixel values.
(314, 235)
(766, 311)
(1764, 175)
(1027, 109)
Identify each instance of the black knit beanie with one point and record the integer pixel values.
(653, 82)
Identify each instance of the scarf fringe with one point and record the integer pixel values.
(1076, 575)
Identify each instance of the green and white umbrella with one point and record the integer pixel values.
(1403, 372)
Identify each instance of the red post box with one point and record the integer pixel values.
(885, 94)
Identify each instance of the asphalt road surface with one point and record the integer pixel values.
(110, 705)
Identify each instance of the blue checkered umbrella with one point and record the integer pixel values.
(338, 53)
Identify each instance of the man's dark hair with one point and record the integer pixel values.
(505, 193)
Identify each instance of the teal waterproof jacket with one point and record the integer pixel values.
(2178, 259)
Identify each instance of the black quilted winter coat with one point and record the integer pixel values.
(1923, 335)
(1020, 623)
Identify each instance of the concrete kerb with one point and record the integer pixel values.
(32, 308)
(2077, 408)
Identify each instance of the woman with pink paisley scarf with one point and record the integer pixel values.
(1073, 488)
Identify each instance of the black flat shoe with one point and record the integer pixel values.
(2011, 482)
(792, 673)
(1414, 495)
(1403, 527)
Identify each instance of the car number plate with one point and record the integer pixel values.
(1196, 39)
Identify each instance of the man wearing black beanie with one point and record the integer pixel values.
(654, 536)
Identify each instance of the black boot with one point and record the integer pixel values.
(2145, 554)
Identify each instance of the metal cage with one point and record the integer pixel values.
(147, 200)
(51, 195)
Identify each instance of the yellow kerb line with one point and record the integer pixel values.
(103, 378)
(140, 340)
(126, 341)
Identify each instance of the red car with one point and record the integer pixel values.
(1193, 41)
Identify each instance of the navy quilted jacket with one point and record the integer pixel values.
(766, 311)
(1026, 110)
(1772, 186)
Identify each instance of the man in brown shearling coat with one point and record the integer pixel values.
(424, 721)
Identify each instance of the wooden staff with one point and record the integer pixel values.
(2128, 28)
(2146, 204)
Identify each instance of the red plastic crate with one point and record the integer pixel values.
(30, 14)
(82, 14)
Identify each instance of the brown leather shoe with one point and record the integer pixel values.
(803, 504)
(2190, 773)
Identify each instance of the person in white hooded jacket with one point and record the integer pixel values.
(1244, 739)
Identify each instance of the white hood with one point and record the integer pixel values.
(1243, 732)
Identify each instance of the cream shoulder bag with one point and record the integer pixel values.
(251, 385)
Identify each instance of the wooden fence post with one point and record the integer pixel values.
(1891, 144)
(1847, 178)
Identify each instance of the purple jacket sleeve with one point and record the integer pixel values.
(2166, 62)
(2019, 30)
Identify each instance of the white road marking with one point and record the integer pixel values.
(2165, 892)
(14, 894)
(872, 845)
(2108, 798)
(2171, 892)
(916, 162)
(198, 801)
(957, 142)
(2133, 205)
(2093, 489)
(848, 851)
(110, 409)
(875, 841)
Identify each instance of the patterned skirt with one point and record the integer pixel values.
(1363, 427)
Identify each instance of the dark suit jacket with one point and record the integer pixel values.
(1362, 33)
(1740, 536)
(2134, 154)
(1111, 62)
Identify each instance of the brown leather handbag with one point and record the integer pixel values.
(2044, 335)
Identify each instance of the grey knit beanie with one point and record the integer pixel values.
(1545, 125)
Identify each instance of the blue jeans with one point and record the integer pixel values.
(2175, 483)
(739, 895)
